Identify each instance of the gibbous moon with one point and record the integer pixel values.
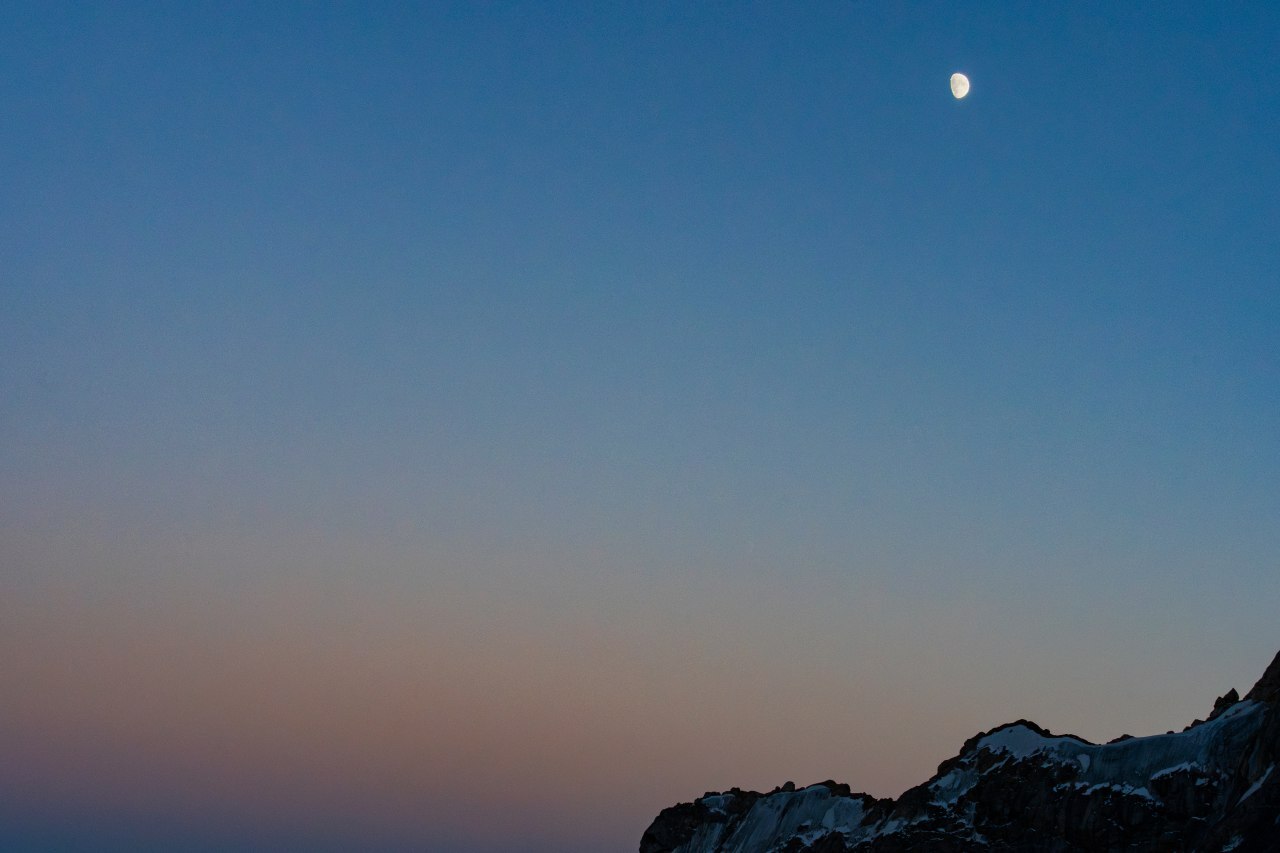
(959, 85)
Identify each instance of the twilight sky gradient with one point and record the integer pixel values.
(474, 427)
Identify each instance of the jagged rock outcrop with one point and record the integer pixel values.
(1212, 787)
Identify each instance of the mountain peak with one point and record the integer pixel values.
(1268, 687)
(1019, 787)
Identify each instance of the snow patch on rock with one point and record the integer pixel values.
(1253, 789)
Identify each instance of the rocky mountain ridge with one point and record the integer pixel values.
(1019, 787)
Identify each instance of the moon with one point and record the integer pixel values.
(959, 85)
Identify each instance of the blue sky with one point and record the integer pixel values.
(651, 328)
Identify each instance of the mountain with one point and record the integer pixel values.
(1211, 787)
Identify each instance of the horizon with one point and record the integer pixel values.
(477, 427)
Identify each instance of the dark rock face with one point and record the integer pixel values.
(1212, 787)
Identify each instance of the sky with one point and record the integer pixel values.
(474, 427)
